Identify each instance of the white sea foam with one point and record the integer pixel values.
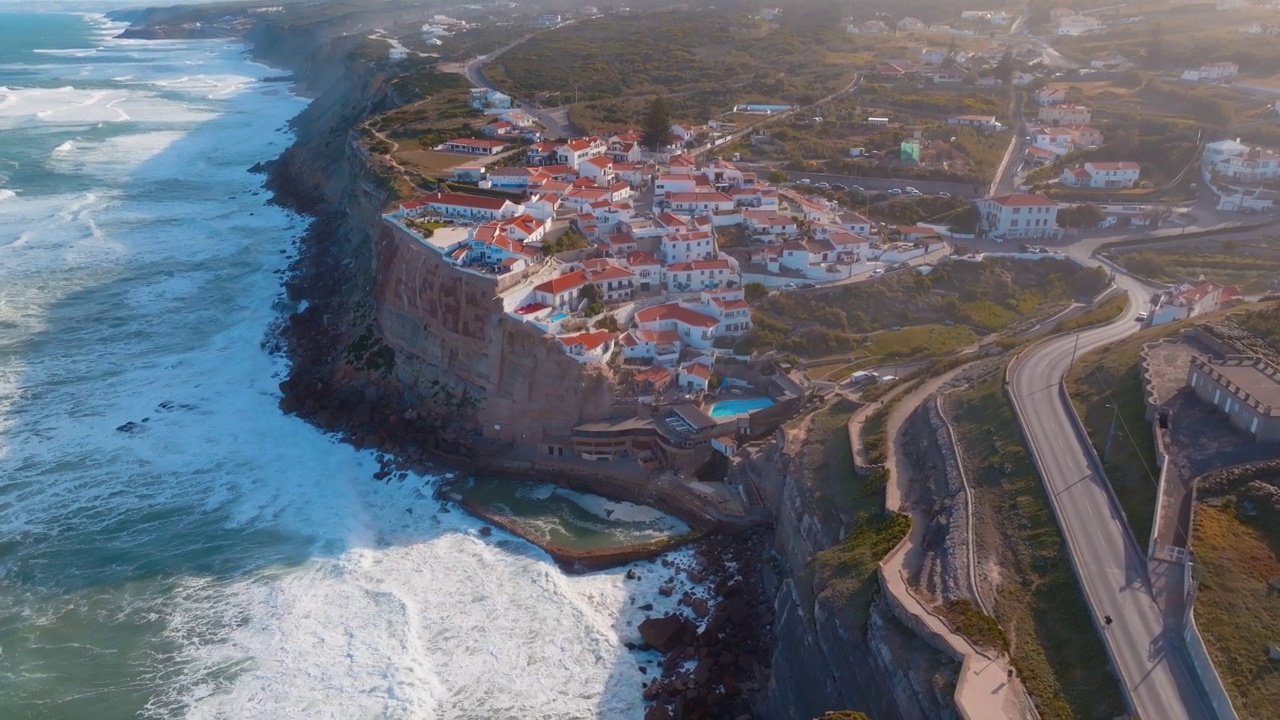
(287, 582)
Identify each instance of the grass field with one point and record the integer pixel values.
(1253, 266)
(1109, 376)
(1237, 614)
(1038, 603)
(1104, 313)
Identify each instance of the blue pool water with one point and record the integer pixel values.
(559, 316)
(727, 408)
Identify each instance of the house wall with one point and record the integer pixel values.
(1216, 392)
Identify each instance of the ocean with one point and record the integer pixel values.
(171, 545)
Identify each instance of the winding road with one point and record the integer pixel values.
(1144, 640)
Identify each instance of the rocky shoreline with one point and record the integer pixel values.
(715, 653)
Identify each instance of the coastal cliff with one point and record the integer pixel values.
(459, 354)
(826, 657)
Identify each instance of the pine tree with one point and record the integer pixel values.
(656, 126)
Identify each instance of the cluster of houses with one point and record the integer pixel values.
(941, 66)
(657, 270)
(1240, 162)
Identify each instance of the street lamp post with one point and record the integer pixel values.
(1115, 414)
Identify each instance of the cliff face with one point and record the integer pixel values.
(456, 349)
(819, 663)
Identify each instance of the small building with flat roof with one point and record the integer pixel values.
(1245, 387)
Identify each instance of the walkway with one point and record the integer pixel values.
(984, 688)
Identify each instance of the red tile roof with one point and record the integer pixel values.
(588, 340)
(475, 142)
(564, 283)
(676, 312)
(696, 369)
(477, 202)
(697, 265)
(1022, 200)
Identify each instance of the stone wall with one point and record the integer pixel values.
(456, 348)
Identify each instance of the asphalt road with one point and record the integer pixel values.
(1146, 647)
(555, 121)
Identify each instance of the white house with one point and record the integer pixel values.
(599, 169)
(1079, 25)
(910, 23)
(595, 346)
(700, 203)
(474, 146)
(1018, 216)
(1101, 175)
(1253, 200)
(1050, 96)
(460, 205)
(561, 292)
(660, 346)
(701, 275)
(647, 269)
(1212, 72)
(686, 246)
(769, 224)
(986, 122)
(574, 152)
(1065, 114)
(695, 376)
(693, 328)
(855, 223)
(1188, 301)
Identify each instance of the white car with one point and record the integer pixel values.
(912, 191)
(877, 271)
(823, 186)
(895, 191)
(802, 181)
(1142, 316)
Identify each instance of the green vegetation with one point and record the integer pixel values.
(1264, 324)
(568, 240)
(1237, 614)
(1185, 37)
(843, 577)
(718, 57)
(754, 291)
(1105, 378)
(656, 125)
(1038, 603)
(907, 315)
(1104, 313)
(1252, 268)
(967, 618)
(875, 441)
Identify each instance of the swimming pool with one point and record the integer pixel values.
(558, 317)
(727, 408)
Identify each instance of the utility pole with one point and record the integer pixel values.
(1074, 348)
(1106, 452)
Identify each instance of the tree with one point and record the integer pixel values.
(777, 177)
(591, 294)
(755, 291)
(656, 125)
(1004, 68)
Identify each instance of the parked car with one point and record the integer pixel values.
(838, 186)
(857, 188)
(944, 194)
(802, 181)
(895, 191)
(877, 271)
(912, 191)
(789, 286)
(806, 286)
(823, 186)
(1142, 317)
(915, 193)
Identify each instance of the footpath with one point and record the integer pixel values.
(985, 688)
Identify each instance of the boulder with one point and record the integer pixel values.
(657, 712)
(666, 633)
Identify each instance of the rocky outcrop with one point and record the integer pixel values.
(818, 663)
(458, 352)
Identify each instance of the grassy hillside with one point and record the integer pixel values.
(1038, 602)
(957, 302)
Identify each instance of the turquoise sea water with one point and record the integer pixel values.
(171, 545)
